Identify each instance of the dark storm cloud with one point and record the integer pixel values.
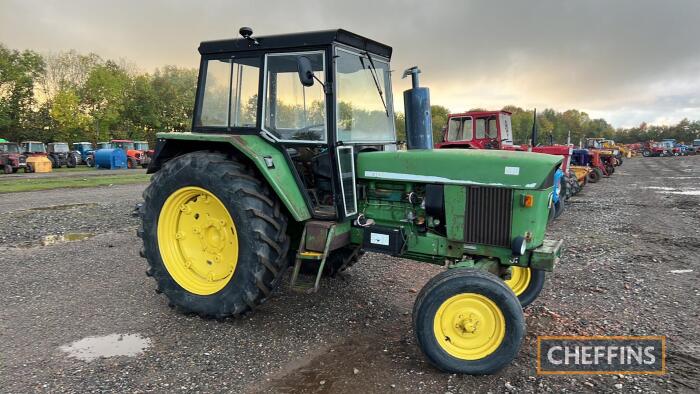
(626, 60)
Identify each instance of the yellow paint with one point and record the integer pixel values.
(198, 241)
(469, 326)
(519, 279)
(39, 163)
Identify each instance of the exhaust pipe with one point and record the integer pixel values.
(419, 124)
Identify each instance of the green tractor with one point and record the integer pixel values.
(292, 161)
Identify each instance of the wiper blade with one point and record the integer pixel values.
(375, 78)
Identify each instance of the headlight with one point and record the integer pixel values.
(519, 246)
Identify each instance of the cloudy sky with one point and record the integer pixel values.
(627, 61)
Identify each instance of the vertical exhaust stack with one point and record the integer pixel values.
(419, 124)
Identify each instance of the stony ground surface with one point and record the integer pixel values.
(625, 238)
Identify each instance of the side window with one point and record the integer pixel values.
(213, 110)
(468, 130)
(294, 112)
(454, 129)
(244, 98)
(230, 93)
(493, 128)
(480, 128)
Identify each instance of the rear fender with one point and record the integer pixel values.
(270, 162)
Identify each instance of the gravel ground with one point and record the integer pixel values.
(623, 238)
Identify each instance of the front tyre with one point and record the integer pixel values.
(468, 321)
(526, 283)
(214, 235)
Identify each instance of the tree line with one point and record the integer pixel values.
(571, 125)
(70, 96)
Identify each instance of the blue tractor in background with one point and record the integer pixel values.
(84, 153)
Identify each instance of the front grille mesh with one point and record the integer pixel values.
(488, 216)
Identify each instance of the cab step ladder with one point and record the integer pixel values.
(303, 255)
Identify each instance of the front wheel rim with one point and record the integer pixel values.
(519, 279)
(198, 240)
(469, 326)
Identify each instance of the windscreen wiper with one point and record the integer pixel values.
(373, 71)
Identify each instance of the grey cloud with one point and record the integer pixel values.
(607, 57)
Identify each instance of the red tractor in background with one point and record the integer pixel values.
(652, 148)
(135, 155)
(493, 130)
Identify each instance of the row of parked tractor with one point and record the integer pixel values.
(667, 147)
(595, 159)
(35, 156)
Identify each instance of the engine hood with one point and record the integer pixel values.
(521, 170)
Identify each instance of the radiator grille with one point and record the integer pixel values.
(488, 216)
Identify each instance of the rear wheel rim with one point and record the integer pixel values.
(469, 326)
(519, 279)
(198, 240)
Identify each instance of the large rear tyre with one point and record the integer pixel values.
(71, 162)
(7, 169)
(468, 321)
(526, 283)
(214, 235)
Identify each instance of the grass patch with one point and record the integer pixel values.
(74, 169)
(33, 184)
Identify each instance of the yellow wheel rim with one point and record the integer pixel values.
(519, 279)
(198, 241)
(469, 326)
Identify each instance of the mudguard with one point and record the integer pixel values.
(269, 160)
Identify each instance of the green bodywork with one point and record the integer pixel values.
(388, 177)
(520, 170)
(280, 177)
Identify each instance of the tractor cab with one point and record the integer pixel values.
(33, 148)
(479, 130)
(320, 98)
(125, 145)
(141, 145)
(58, 147)
(104, 145)
(82, 146)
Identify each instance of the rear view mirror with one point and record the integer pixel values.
(306, 73)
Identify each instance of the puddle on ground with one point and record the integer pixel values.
(112, 345)
(63, 206)
(54, 239)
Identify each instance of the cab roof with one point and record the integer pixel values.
(295, 40)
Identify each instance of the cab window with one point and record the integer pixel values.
(294, 112)
(459, 129)
(486, 127)
(229, 93)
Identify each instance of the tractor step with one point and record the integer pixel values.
(319, 238)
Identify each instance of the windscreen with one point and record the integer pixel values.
(364, 108)
(60, 148)
(9, 148)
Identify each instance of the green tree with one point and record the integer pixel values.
(72, 123)
(19, 72)
(174, 89)
(439, 115)
(104, 98)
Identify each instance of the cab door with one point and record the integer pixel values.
(346, 169)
